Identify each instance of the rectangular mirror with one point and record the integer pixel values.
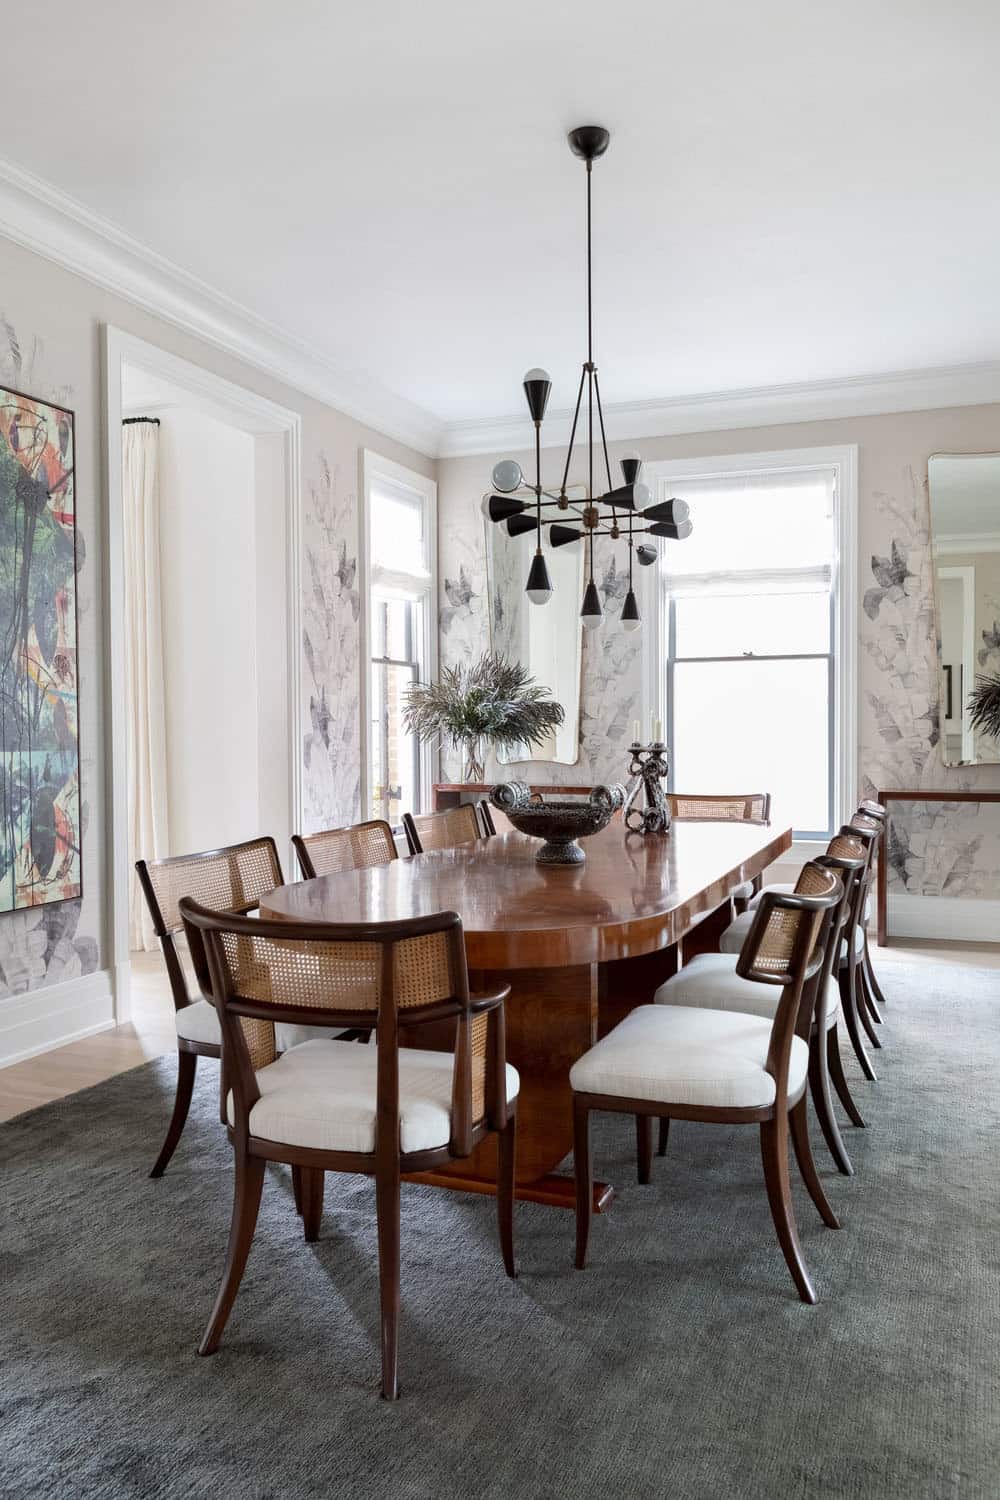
(545, 638)
(965, 535)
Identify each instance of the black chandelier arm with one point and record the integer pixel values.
(572, 431)
(604, 439)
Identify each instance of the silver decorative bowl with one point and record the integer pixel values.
(560, 821)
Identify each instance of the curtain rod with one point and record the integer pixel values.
(127, 421)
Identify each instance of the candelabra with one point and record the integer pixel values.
(648, 770)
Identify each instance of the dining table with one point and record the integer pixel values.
(579, 945)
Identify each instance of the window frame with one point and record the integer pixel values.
(375, 467)
(662, 476)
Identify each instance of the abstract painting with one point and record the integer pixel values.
(39, 747)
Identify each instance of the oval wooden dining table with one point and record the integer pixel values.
(580, 946)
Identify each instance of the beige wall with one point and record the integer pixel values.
(50, 346)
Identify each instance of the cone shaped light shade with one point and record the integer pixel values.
(668, 510)
(499, 507)
(646, 556)
(521, 525)
(561, 536)
(631, 619)
(591, 614)
(539, 585)
(675, 531)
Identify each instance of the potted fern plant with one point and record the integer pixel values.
(984, 706)
(490, 702)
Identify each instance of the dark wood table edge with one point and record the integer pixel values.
(885, 795)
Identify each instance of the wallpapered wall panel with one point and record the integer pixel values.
(935, 851)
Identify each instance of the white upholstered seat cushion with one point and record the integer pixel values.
(674, 1054)
(743, 891)
(322, 1094)
(199, 1022)
(711, 982)
(787, 886)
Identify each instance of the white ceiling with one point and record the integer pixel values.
(794, 192)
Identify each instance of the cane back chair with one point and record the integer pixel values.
(749, 807)
(873, 817)
(725, 1067)
(229, 879)
(338, 849)
(443, 830)
(711, 980)
(331, 1106)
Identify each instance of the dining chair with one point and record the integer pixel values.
(711, 981)
(443, 830)
(338, 849)
(878, 814)
(750, 807)
(329, 1106)
(854, 1004)
(724, 1067)
(231, 879)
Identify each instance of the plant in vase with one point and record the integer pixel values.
(984, 706)
(491, 702)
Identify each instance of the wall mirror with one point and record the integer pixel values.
(546, 638)
(965, 534)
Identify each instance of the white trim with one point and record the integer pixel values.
(949, 918)
(374, 465)
(255, 414)
(763, 406)
(843, 460)
(953, 543)
(49, 1017)
(966, 576)
(42, 218)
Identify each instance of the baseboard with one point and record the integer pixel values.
(952, 918)
(50, 1017)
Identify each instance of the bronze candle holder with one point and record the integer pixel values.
(648, 770)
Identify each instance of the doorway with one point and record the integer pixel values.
(227, 464)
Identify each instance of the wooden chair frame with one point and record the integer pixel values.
(876, 813)
(857, 995)
(387, 1163)
(307, 845)
(188, 1052)
(787, 1115)
(466, 812)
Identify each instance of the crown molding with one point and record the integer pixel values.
(42, 218)
(956, 543)
(765, 406)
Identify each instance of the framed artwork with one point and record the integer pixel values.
(39, 744)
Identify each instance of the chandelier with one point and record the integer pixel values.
(622, 511)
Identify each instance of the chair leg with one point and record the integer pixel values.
(835, 1068)
(869, 996)
(798, 1121)
(819, 1087)
(644, 1147)
(584, 1173)
(387, 1211)
(246, 1203)
(861, 1005)
(313, 1181)
(774, 1155)
(664, 1135)
(187, 1062)
(848, 1004)
(507, 1158)
(866, 959)
(297, 1188)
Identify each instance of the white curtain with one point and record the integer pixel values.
(147, 749)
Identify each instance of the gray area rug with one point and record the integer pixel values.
(681, 1364)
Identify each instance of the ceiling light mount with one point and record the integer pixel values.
(614, 513)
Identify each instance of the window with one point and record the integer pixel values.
(756, 651)
(399, 566)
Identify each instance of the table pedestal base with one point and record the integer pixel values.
(554, 1189)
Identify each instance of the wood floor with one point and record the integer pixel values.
(151, 1033)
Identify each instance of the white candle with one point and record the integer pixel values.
(636, 731)
(657, 729)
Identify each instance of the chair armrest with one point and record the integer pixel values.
(488, 1000)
